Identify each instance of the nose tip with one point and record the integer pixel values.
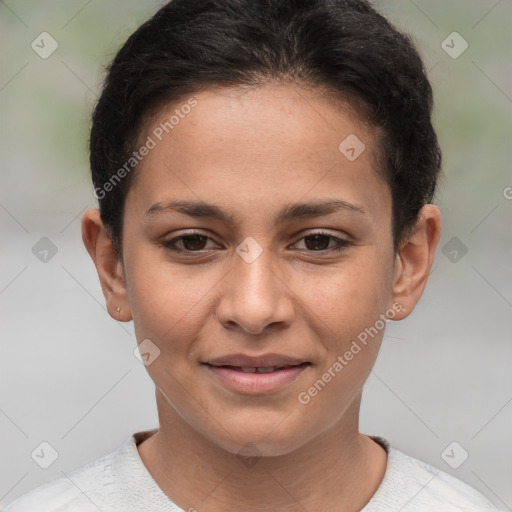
(257, 326)
(249, 316)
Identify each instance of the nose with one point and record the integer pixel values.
(254, 296)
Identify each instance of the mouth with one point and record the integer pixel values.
(256, 376)
(259, 369)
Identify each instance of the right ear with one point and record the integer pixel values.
(108, 265)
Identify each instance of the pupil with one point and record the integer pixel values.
(196, 242)
(317, 244)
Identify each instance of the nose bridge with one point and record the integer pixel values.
(254, 296)
(257, 279)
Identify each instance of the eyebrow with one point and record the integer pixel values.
(289, 212)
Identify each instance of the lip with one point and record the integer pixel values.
(227, 370)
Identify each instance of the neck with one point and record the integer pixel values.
(340, 466)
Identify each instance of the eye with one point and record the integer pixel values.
(190, 242)
(314, 242)
(320, 242)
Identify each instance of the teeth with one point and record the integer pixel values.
(259, 369)
(266, 370)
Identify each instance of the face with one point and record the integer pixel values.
(251, 240)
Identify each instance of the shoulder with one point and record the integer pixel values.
(117, 482)
(413, 485)
(82, 490)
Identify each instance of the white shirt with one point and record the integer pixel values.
(119, 482)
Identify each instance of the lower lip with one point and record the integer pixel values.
(256, 383)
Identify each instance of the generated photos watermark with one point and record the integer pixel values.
(157, 135)
(305, 397)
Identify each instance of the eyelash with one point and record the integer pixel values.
(341, 243)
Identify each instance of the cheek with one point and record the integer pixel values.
(351, 296)
(166, 299)
(350, 309)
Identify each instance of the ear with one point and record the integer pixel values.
(108, 265)
(414, 260)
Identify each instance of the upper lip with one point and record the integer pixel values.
(262, 361)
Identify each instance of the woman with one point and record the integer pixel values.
(265, 172)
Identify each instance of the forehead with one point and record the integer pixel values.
(260, 146)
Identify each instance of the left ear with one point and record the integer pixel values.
(414, 260)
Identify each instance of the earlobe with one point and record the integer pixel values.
(108, 265)
(414, 260)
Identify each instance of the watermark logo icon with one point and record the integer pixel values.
(454, 45)
(454, 455)
(146, 352)
(44, 455)
(44, 250)
(352, 147)
(249, 250)
(454, 249)
(44, 45)
(249, 455)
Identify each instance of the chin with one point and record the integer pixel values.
(262, 439)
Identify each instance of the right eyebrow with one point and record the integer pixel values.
(192, 209)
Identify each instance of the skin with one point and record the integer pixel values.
(250, 153)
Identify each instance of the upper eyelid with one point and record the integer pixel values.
(319, 231)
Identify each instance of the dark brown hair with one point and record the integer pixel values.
(343, 46)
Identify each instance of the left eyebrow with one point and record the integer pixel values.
(288, 212)
(315, 209)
